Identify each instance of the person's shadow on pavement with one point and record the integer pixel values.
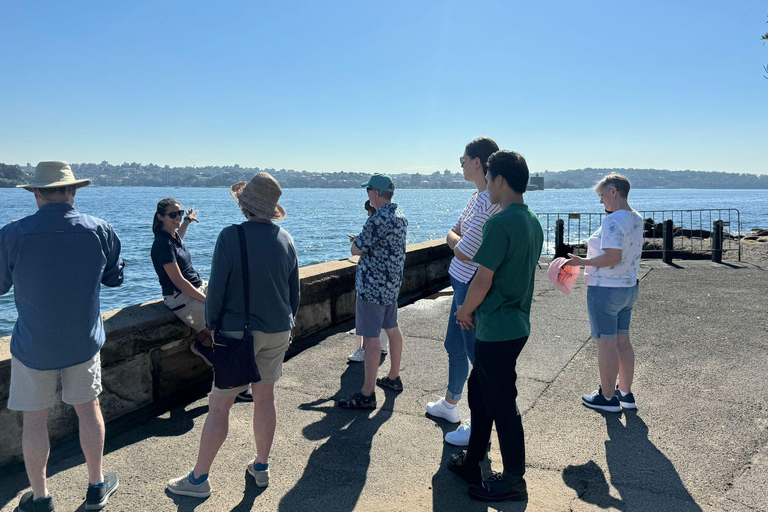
(336, 471)
(637, 468)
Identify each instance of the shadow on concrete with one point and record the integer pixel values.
(637, 469)
(337, 470)
(129, 429)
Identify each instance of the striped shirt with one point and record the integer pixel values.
(470, 228)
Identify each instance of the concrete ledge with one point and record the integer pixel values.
(146, 356)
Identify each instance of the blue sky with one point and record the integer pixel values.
(397, 86)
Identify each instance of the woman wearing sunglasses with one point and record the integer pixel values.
(184, 290)
(464, 238)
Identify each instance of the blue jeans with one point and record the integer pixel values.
(459, 344)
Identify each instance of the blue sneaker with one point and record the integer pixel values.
(597, 401)
(626, 401)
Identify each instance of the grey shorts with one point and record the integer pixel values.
(371, 318)
(35, 390)
(270, 351)
(190, 311)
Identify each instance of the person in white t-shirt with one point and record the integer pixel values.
(464, 238)
(612, 264)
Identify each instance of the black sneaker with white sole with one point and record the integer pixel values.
(98, 495)
(626, 401)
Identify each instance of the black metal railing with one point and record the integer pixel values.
(668, 233)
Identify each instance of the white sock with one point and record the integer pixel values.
(448, 404)
(623, 394)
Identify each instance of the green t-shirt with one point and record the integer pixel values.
(512, 241)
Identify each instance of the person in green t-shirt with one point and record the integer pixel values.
(498, 305)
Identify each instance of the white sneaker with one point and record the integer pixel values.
(358, 356)
(460, 436)
(440, 409)
(384, 343)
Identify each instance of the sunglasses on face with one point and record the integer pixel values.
(462, 159)
(173, 215)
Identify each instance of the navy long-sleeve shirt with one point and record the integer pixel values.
(273, 274)
(56, 260)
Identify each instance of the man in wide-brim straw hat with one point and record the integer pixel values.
(56, 260)
(273, 291)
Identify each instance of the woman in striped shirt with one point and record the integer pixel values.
(464, 238)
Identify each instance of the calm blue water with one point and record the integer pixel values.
(319, 220)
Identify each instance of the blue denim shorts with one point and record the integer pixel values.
(610, 310)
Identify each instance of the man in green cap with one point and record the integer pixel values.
(381, 247)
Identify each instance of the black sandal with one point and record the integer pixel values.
(386, 382)
(359, 401)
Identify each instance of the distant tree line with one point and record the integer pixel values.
(151, 175)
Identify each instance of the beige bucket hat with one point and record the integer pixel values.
(53, 174)
(259, 196)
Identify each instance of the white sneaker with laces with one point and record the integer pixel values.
(460, 436)
(440, 409)
(358, 356)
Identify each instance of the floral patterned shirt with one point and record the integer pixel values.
(380, 269)
(620, 230)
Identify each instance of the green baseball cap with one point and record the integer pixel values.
(380, 182)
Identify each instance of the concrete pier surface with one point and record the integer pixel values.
(699, 440)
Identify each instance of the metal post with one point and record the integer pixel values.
(559, 233)
(668, 240)
(717, 241)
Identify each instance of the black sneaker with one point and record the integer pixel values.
(626, 401)
(245, 396)
(359, 401)
(200, 350)
(497, 489)
(469, 472)
(597, 401)
(27, 503)
(98, 495)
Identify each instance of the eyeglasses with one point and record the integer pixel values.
(173, 215)
(462, 160)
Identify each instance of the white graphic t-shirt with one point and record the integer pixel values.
(623, 230)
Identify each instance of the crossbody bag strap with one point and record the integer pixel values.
(244, 265)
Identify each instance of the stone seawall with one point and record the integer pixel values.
(146, 355)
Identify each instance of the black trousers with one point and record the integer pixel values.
(493, 398)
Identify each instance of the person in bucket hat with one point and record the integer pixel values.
(56, 260)
(273, 275)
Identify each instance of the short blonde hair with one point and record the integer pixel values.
(617, 181)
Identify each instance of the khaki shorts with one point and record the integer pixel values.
(190, 311)
(35, 390)
(270, 352)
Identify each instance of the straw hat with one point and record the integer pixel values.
(259, 196)
(53, 174)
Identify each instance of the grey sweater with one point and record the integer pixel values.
(274, 280)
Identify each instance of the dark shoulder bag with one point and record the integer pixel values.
(234, 363)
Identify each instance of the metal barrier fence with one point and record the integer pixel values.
(668, 233)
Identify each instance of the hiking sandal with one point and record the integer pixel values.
(386, 382)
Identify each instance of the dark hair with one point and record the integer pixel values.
(162, 207)
(369, 208)
(47, 193)
(617, 181)
(482, 148)
(512, 167)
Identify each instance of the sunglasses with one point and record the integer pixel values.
(173, 215)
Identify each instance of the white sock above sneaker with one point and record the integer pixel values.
(449, 405)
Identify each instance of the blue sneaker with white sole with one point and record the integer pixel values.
(598, 402)
(626, 401)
